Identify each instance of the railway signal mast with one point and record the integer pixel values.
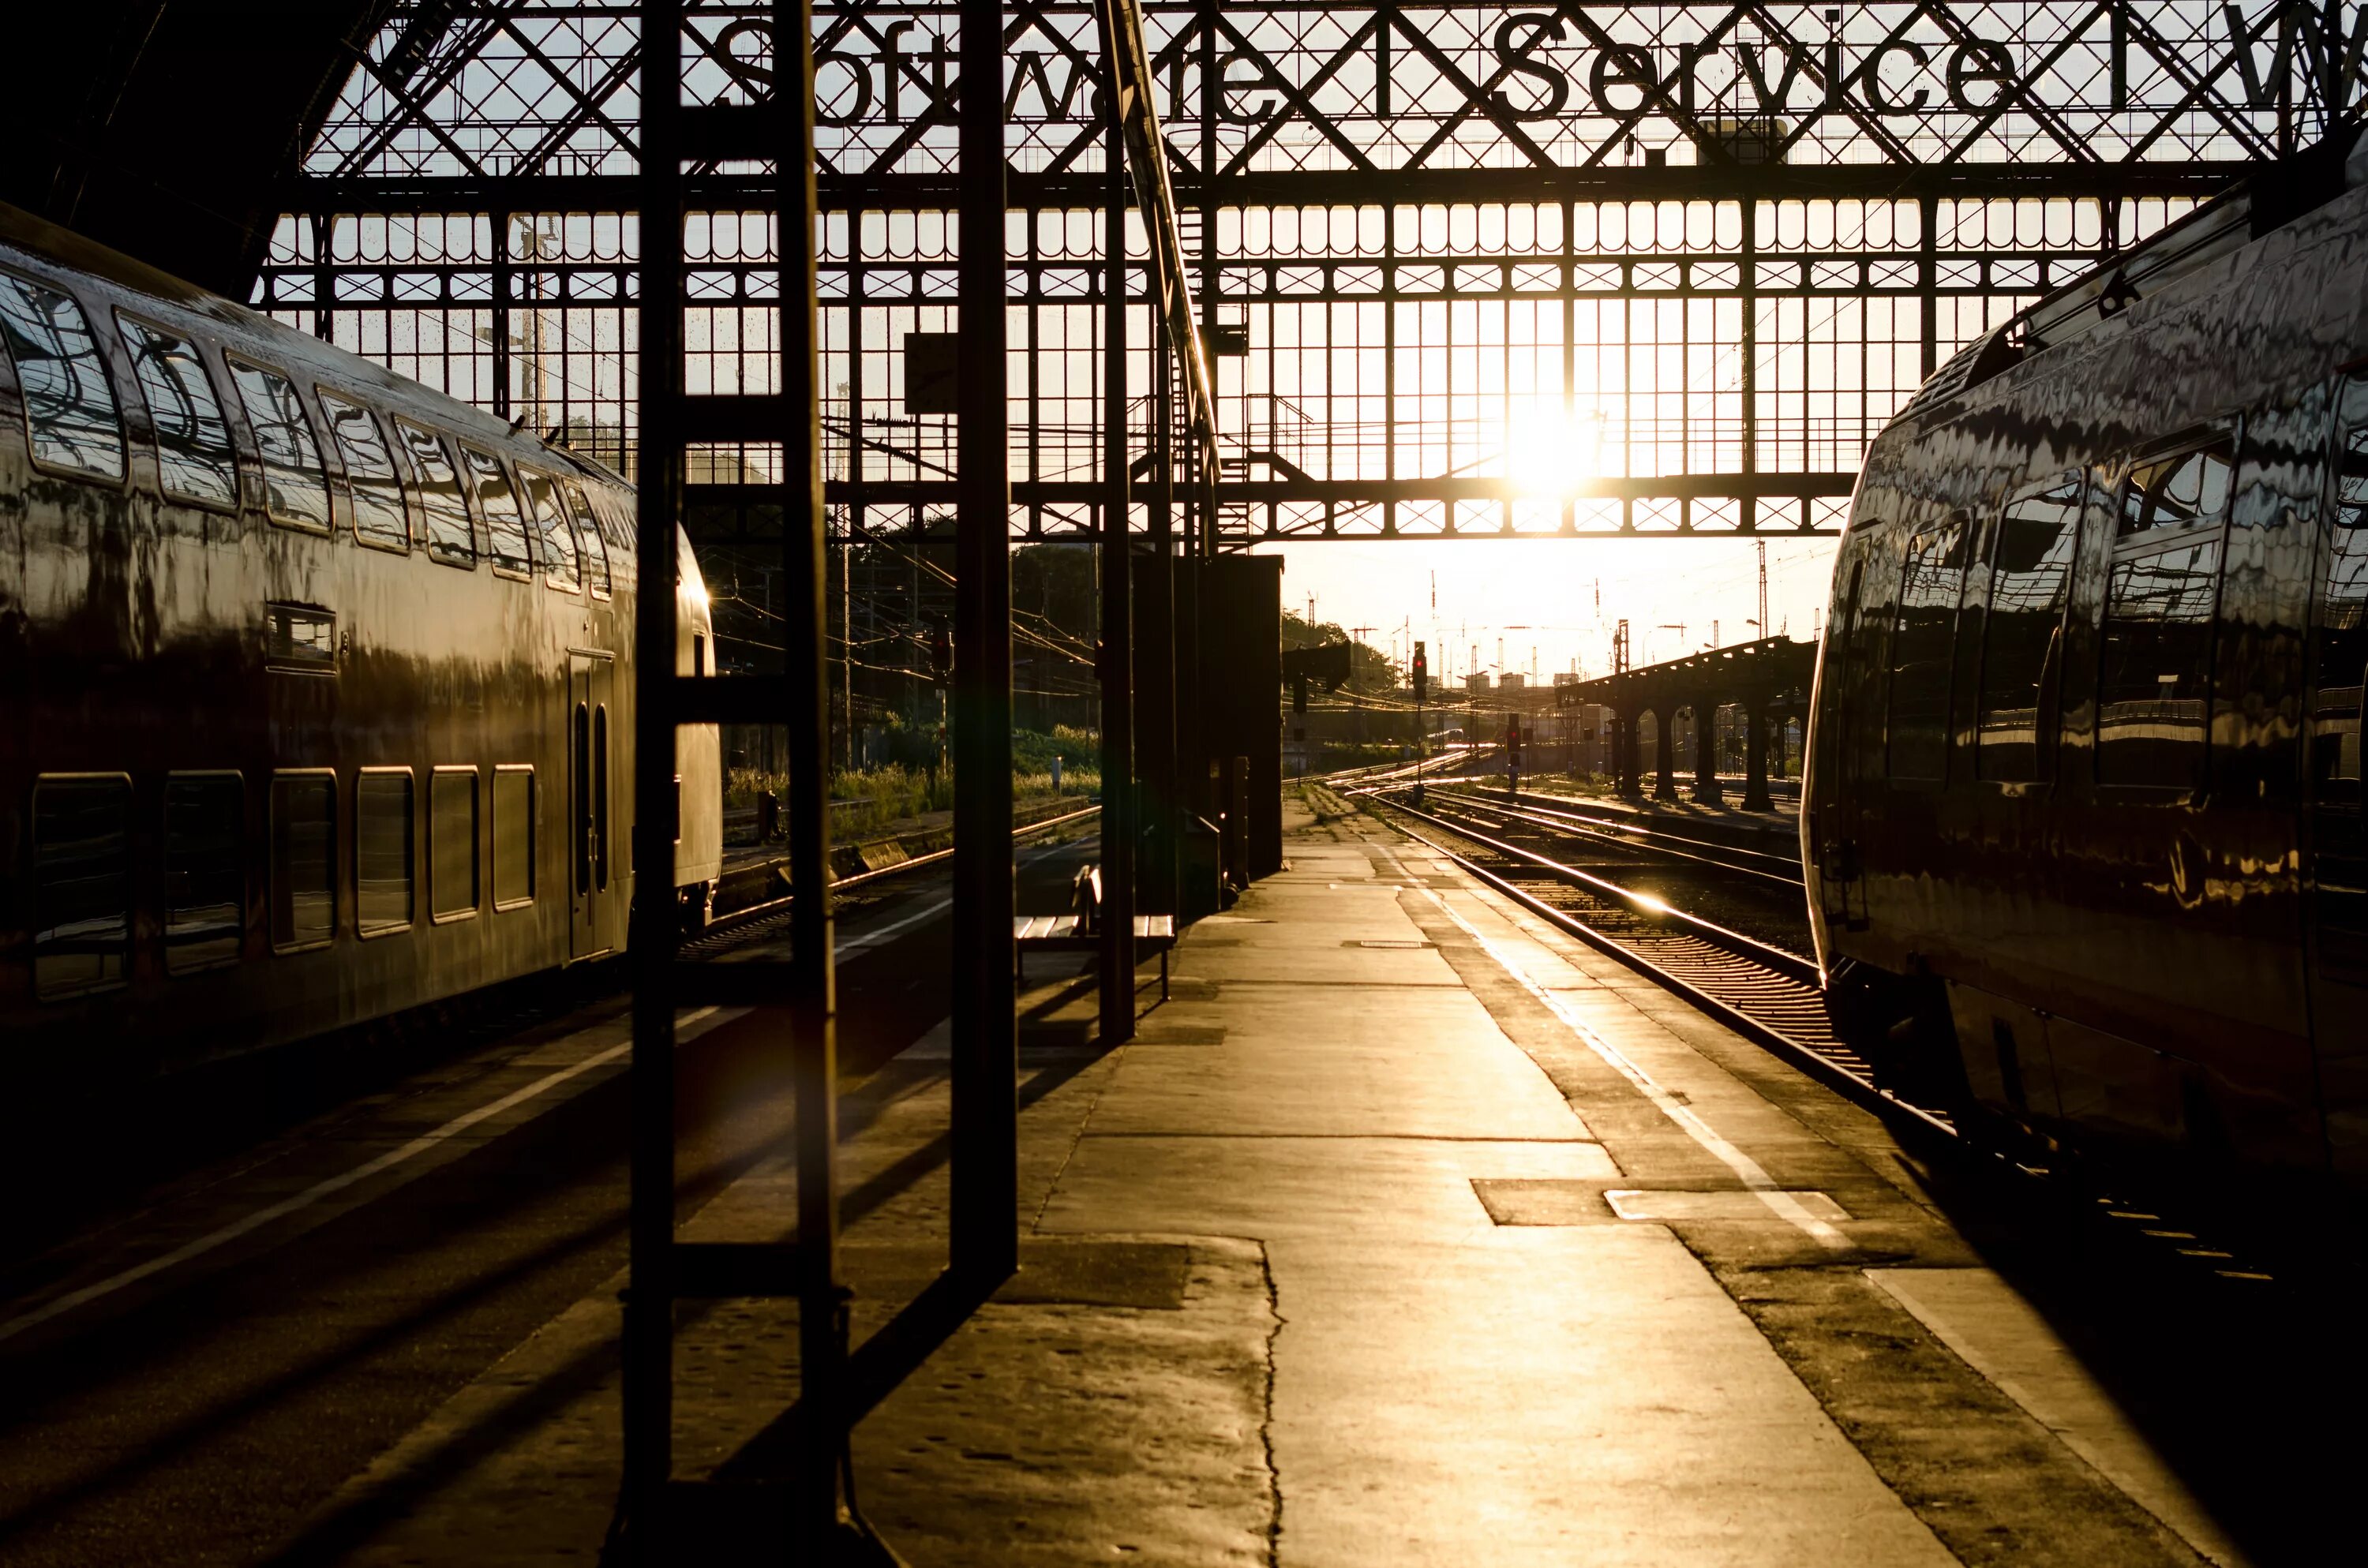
(1422, 685)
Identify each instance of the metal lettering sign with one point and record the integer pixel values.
(1278, 87)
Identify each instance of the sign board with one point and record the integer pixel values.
(932, 372)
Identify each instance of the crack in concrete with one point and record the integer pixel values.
(1265, 1426)
(1117, 1059)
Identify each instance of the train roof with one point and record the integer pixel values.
(2263, 202)
(63, 248)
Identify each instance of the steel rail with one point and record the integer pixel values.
(774, 906)
(1620, 833)
(1790, 965)
(1835, 1067)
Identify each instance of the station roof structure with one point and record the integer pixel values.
(168, 130)
(1474, 268)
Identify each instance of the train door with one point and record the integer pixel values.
(1841, 879)
(2338, 867)
(590, 679)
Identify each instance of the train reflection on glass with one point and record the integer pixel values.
(318, 683)
(2082, 817)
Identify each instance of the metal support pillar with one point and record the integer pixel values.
(797, 992)
(1706, 790)
(1162, 802)
(648, 1334)
(985, 1061)
(1755, 757)
(1119, 841)
(1665, 752)
(1623, 753)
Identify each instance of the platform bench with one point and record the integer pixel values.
(1059, 934)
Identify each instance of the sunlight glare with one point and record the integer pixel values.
(1551, 453)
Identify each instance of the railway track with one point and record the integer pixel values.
(1760, 991)
(737, 929)
(1782, 869)
(1771, 997)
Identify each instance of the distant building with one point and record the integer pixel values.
(1477, 682)
(1515, 681)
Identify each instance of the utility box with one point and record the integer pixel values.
(932, 372)
(1241, 687)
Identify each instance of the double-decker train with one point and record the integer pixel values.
(2082, 814)
(315, 686)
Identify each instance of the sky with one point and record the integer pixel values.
(1541, 594)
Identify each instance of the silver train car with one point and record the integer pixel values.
(315, 686)
(2082, 815)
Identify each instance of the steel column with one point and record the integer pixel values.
(1117, 651)
(648, 1344)
(986, 1062)
(805, 662)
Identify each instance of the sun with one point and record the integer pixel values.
(1549, 452)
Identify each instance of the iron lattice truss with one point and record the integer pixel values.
(1697, 254)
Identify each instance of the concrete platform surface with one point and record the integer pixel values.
(1406, 1232)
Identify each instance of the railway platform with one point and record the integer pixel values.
(1406, 1232)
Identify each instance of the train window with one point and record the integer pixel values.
(587, 529)
(2031, 568)
(304, 859)
(449, 537)
(379, 516)
(194, 460)
(505, 537)
(2182, 490)
(382, 851)
(513, 837)
(452, 843)
(82, 884)
(2340, 634)
(551, 527)
(1922, 645)
(69, 407)
(205, 869)
(295, 486)
(2155, 665)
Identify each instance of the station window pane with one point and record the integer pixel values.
(82, 885)
(449, 537)
(587, 529)
(1923, 645)
(453, 841)
(551, 527)
(379, 516)
(193, 451)
(2031, 568)
(304, 859)
(382, 851)
(2155, 666)
(295, 486)
(497, 503)
(205, 870)
(513, 837)
(69, 407)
